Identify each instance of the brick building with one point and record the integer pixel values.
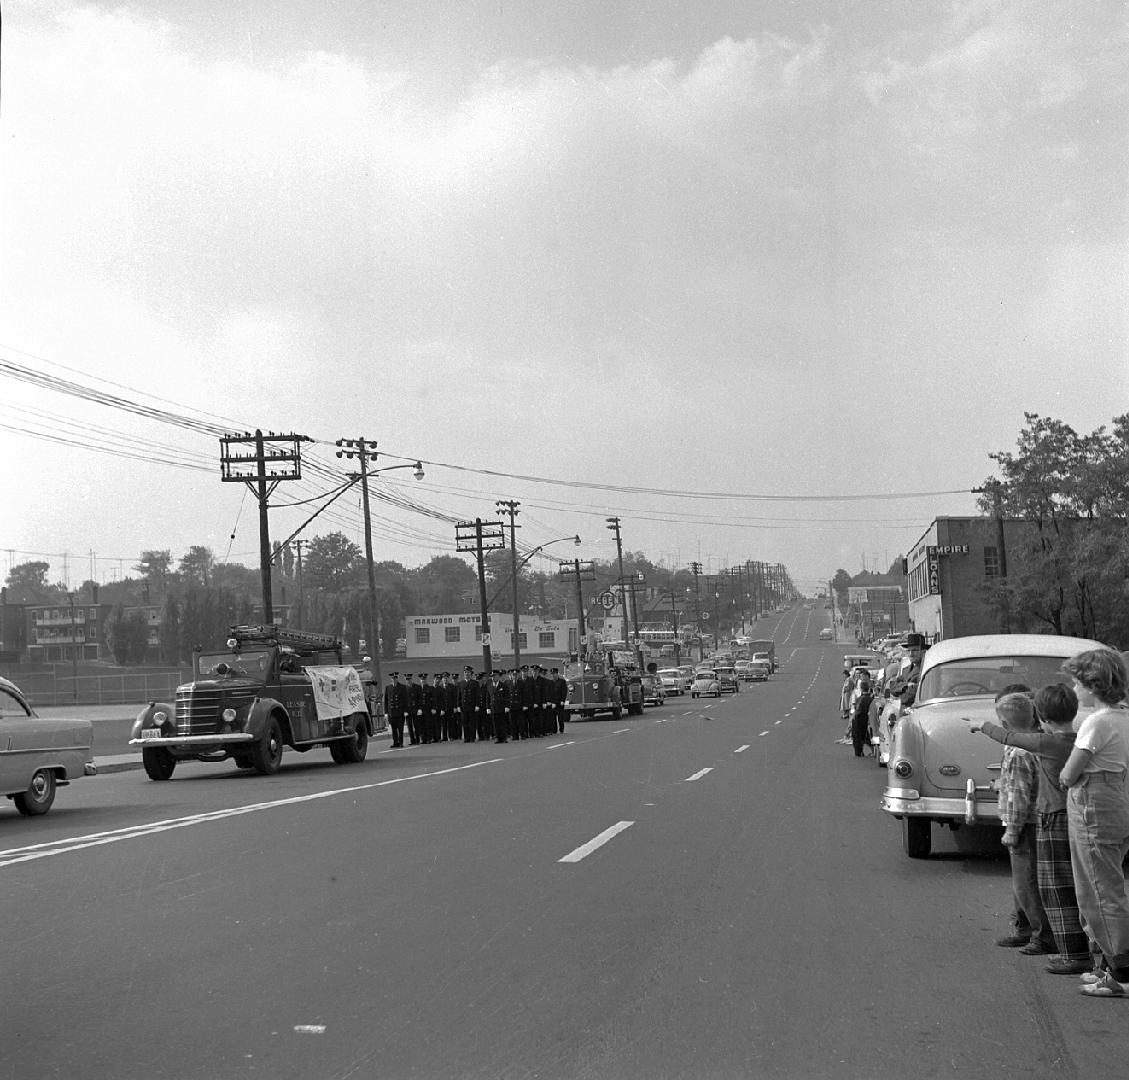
(948, 568)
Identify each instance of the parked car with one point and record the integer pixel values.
(653, 692)
(674, 682)
(38, 755)
(744, 670)
(826, 634)
(939, 771)
(727, 677)
(706, 683)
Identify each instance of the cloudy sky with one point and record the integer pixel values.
(768, 281)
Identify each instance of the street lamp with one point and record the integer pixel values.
(525, 559)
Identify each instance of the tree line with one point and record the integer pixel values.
(324, 587)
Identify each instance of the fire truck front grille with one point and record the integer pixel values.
(198, 709)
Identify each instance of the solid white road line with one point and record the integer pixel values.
(698, 775)
(134, 832)
(741, 749)
(596, 842)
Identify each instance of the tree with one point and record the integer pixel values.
(29, 575)
(196, 566)
(446, 584)
(154, 566)
(840, 585)
(333, 562)
(1069, 574)
(127, 635)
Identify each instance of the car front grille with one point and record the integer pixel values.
(198, 709)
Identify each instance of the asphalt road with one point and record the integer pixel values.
(708, 891)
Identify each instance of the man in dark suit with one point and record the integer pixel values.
(415, 709)
(429, 732)
(396, 708)
(469, 704)
(453, 689)
(545, 709)
(560, 698)
(501, 698)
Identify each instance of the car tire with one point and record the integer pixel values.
(159, 763)
(243, 761)
(917, 837)
(266, 754)
(39, 796)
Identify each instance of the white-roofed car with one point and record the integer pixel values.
(940, 771)
(706, 683)
(674, 683)
(39, 754)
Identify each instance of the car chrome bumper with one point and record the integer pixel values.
(196, 740)
(904, 802)
(89, 769)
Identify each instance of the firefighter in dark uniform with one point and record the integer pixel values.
(454, 711)
(523, 699)
(396, 708)
(415, 710)
(469, 705)
(501, 697)
(429, 731)
(486, 717)
(560, 698)
(546, 707)
(440, 689)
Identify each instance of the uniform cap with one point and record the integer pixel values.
(393, 674)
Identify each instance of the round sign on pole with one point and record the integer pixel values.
(606, 600)
(485, 639)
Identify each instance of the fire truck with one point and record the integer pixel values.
(270, 687)
(608, 681)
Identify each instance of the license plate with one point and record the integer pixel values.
(150, 733)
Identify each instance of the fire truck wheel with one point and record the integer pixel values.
(266, 754)
(159, 763)
(351, 751)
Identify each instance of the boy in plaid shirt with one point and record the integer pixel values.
(1019, 789)
(1055, 709)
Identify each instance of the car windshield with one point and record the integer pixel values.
(254, 662)
(990, 675)
(707, 675)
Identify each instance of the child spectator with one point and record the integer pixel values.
(1019, 786)
(1097, 809)
(1055, 707)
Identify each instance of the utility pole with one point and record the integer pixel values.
(480, 536)
(628, 630)
(674, 619)
(696, 570)
(275, 458)
(510, 506)
(301, 615)
(362, 451)
(581, 570)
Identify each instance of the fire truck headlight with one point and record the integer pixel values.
(229, 716)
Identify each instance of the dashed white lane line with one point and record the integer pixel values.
(558, 745)
(596, 842)
(779, 721)
(620, 731)
(134, 832)
(762, 734)
(741, 749)
(697, 776)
